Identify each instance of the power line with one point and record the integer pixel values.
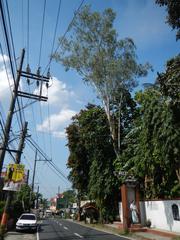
(55, 30)
(27, 32)
(7, 39)
(9, 49)
(9, 20)
(22, 22)
(67, 30)
(34, 144)
(42, 31)
(7, 74)
(57, 174)
(50, 135)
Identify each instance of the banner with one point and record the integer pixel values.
(14, 177)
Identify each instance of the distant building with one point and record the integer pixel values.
(58, 202)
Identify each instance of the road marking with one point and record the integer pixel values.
(78, 235)
(66, 228)
(60, 224)
(37, 234)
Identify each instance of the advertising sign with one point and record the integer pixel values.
(14, 177)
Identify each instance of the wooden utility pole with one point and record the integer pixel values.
(16, 93)
(37, 198)
(4, 143)
(10, 193)
(34, 171)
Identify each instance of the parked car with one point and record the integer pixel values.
(27, 221)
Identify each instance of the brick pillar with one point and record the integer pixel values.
(125, 208)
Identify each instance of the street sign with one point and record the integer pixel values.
(14, 177)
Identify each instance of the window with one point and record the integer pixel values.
(175, 212)
(28, 217)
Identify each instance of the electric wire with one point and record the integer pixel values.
(67, 30)
(7, 39)
(34, 144)
(54, 37)
(13, 48)
(39, 62)
(27, 32)
(56, 173)
(4, 62)
(59, 174)
(14, 55)
(9, 83)
(50, 134)
(37, 176)
(56, 25)
(42, 32)
(22, 21)
(7, 75)
(9, 50)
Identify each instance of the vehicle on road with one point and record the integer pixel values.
(27, 221)
(48, 213)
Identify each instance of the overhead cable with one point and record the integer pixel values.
(67, 30)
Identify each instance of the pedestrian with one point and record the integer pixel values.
(134, 212)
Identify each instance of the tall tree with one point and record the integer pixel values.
(78, 160)
(173, 9)
(95, 137)
(152, 152)
(170, 81)
(105, 62)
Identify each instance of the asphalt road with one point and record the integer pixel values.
(56, 229)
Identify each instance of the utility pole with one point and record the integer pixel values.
(21, 143)
(34, 171)
(27, 75)
(4, 143)
(10, 193)
(37, 198)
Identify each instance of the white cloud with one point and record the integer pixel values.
(57, 122)
(4, 85)
(3, 58)
(58, 92)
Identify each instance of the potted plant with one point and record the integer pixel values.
(148, 223)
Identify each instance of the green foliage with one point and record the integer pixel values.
(25, 197)
(170, 80)
(77, 161)
(70, 196)
(108, 64)
(94, 137)
(173, 9)
(153, 146)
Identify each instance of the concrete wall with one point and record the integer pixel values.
(160, 214)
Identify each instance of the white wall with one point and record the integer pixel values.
(160, 214)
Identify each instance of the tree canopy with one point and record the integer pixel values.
(98, 169)
(108, 64)
(173, 9)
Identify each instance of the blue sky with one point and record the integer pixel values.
(142, 20)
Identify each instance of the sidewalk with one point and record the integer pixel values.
(148, 233)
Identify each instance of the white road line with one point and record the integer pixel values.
(66, 228)
(60, 224)
(78, 235)
(37, 233)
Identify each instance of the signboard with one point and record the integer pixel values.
(14, 177)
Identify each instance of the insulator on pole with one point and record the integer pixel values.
(38, 71)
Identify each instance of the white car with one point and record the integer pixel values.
(27, 221)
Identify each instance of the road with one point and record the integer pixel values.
(56, 229)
